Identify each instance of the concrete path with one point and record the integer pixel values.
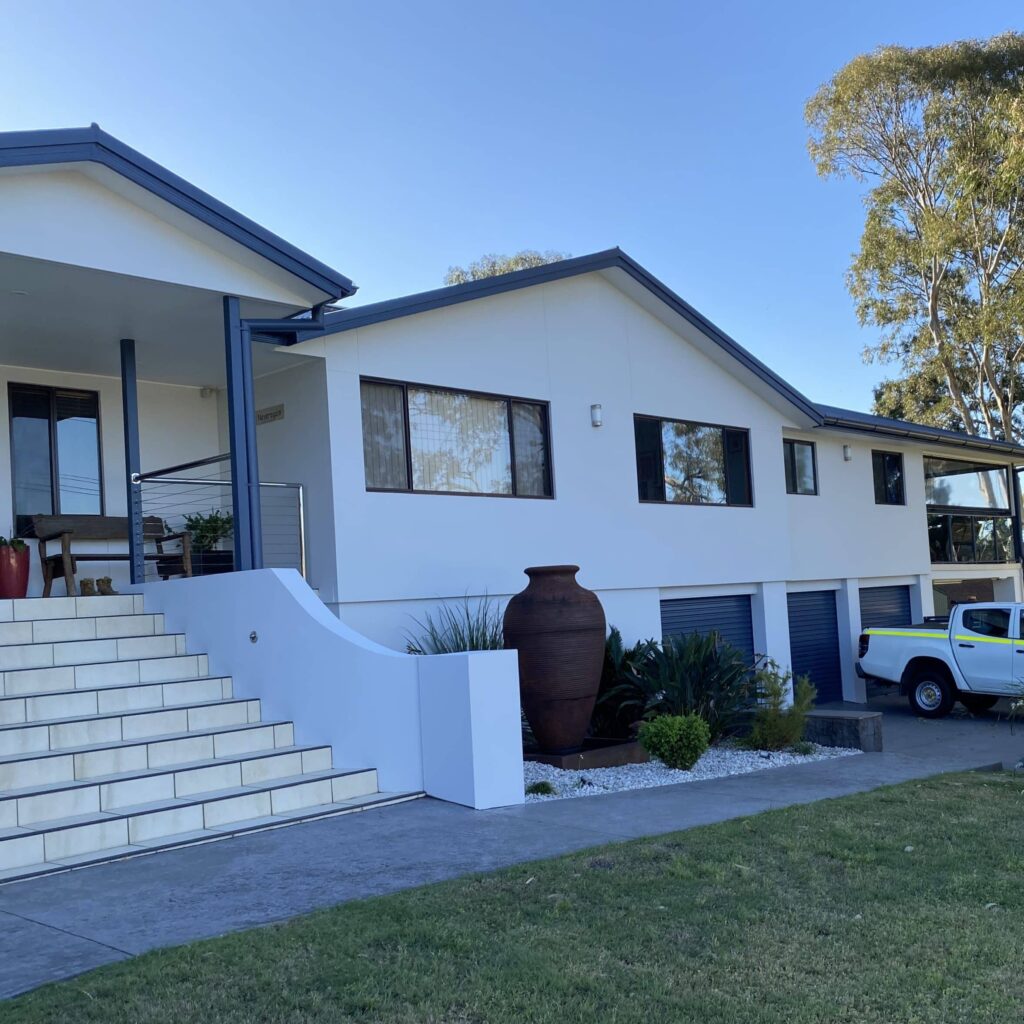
(59, 926)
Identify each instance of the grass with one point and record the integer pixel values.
(902, 906)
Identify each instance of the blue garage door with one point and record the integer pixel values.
(729, 616)
(885, 606)
(814, 641)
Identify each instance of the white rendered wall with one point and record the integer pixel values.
(176, 424)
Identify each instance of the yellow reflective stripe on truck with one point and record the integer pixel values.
(975, 639)
(930, 635)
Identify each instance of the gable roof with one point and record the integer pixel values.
(377, 312)
(820, 415)
(71, 145)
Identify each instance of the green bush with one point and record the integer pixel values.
(619, 699)
(692, 675)
(542, 788)
(464, 627)
(677, 740)
(777, 727)
(207, 530)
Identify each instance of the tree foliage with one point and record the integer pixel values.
(938, 135)
(492, 264)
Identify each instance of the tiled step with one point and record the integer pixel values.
(108, 699)
(33, 608)
(85, 730)
(89, 652)
(78, 764)
(30, 806)
(32, 681)
(212, 834)
(43, 631)
(141, 824)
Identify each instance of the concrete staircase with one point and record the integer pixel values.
(114, 742)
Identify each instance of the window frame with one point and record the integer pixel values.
(793, 441)
(509, 401)
(903, 478)
(723, 427)
(51, 394)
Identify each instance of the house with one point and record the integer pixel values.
(164, 357)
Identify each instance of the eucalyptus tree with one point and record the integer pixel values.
(937, 134)
(492, 264)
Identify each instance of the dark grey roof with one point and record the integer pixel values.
(407, 305)
(65, 145)
(850, 419)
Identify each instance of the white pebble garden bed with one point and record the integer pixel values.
(715, 763)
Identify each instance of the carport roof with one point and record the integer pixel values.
(70, 145)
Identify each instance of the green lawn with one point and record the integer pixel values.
(900, 906)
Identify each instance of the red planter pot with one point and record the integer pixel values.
(558, 627)
(13, 572)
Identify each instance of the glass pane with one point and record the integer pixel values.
(988, 621)
(649, 471)
(384, 436)
(529, 428)
(694, 463)
(788, 459)
(78, 452)
(737, 467)
(459, 443)
(803, 456)
(939, 538)
(985, 540)
(30, 444)
(962, 535)
(1003, 529)
(965, 484)
(887, 468)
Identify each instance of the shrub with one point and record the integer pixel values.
(677, 740)
(207, 530)
(777, 727)
(693, 675)
(542, 788)
(464, 627)
(619, 699)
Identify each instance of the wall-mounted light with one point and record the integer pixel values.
(596, 415)
(847, 453)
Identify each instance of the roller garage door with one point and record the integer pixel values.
(729, 616)
(814, 641)
(885, 606)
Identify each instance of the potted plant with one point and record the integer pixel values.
(207, 530)
(13, 568)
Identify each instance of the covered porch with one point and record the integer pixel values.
(136, 313)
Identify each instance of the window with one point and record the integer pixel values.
(801, 470)
(969, 516)
(988, 621)
(691, 463)
(420, 438)
(887, 468)
(55, 452)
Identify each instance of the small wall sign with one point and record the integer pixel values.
(271, 414)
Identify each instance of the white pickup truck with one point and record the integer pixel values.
(975, 658)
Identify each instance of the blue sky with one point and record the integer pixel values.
(393, 139)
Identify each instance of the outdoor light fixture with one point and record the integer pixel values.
(596, 415)
(847, 453)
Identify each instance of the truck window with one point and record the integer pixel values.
(988, 621)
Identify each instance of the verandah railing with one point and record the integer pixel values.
(196, 496)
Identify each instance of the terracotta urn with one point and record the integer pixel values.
(13, 571)
(558, 628)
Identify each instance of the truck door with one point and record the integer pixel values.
(984, 650)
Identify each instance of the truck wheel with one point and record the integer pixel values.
(978, 702)
(931, 693)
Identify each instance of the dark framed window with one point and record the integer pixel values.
(432, 440)
(56, 464)
(801, 467)
(887, 468)
(686, 463)
(993, 622)
(969, 515)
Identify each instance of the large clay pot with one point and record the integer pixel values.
(13, 572)
(558, 628)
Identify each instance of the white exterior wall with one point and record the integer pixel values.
(573, 343)
(176, 424)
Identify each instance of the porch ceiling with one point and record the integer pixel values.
(56, 316)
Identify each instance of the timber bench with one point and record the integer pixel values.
(71, 529)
